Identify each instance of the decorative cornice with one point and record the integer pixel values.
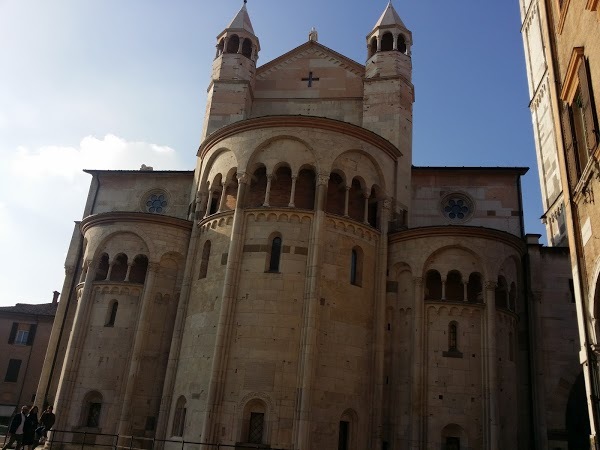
(320, 123)
(133, 217)
(571, 81)
(459, 231)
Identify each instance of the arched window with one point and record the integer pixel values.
(433, 285)
(275, 254)
(137, 274)
(455, 290)
(475, 288)
(254, 424)
(102, 270)
(373, 47)
(501, 293)
(92, 407)
(387, 42)
(247, 48)
(347, 431)
(336, 194)
(305, 189)
(233, 44)
(453, 337)
(179, 417)
(258, 187)
(356, 266)
(204, 260)
(112, 314)
(281, 187)
(356, 201)
(119, 268)
(401, 44)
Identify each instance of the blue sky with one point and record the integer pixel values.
(110, 84)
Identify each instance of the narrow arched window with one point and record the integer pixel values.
(179, 417)
(387, 42)
(204, 261)
(112, 314)
(453, 337)
(247, 48)
(401, 44)
(102, 270)
(356, 266)
(92, 408)
(233, 44)
(275, 254)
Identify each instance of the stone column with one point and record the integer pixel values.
(444, 289)
(293, 193)
(306, 366)
(109, 271)
(223, 197)
(378, 44)
(465, 291)
(491, 393)
(208, 203)
(128, 271)
(223, 332)
(366, 212)
(381, 264)
(268, 190)
(347, 200)
(73, 351)
(240, 46)
(417, 382)
(395, 45)
(201, 200)
(142, 329)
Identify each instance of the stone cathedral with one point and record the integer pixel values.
(306, 287)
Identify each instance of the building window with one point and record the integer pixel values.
(21, 337)
(453, 337)
(344, 435)
(22, 333)
(179, 417)
(457, 207)
(112, 316)
(156, 203)
(356, 266)
(12, 372)
(275, 254)
(579, 119)
(256, 428)
(433, 285)
(92, 409)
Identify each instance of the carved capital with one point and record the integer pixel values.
(322, 179)
(490, 285)
(387, 203)
(243, 177)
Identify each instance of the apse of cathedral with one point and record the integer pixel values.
(306, 287)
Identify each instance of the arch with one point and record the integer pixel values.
(281, 186)
(205, 259)
(113, 307)
(118, 269)
(274, 253)
(102, 269)
(359, 163)
(216, 190)
(347, 430)
(298, 154)
(455, 257)
(220, 161)
(453, 336)
(254, 422)
(131, 240)
(258, 187)
(233, 43)
(455, 290)
(178, 427)
(356, 200)
(306, 189)
(401, 44)
(433, 285)
(501, 293)
(247, 48)
(454, 437)
(475, 288)
(231, 190)
(387, 42)
(137, 273)
(336, 194)
(356, 266)
(91, 410)
(373, 46)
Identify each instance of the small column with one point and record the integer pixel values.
(223, 197)
(444, 289)
(110, 268)
(208, 202)
(141, 331)
(268, 190)
(128, 272)
(201, 201)
(293, 192)
(241, 45)
(466, 291)
(378, 44)
(366, 212)
(347, 200)
(395, 47)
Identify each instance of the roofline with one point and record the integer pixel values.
(518, 170)
(101, 171)
(277, 60)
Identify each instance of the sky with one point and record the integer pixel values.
(113, 84)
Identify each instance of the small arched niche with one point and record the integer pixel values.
(118, 270)
(387, 42)
(347, 430)
(454, 437)
(233, 44)
(102, 269)
(254, 423)
(433, 285)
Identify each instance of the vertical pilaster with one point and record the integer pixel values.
(347, 201)
(465, 291)
(417, 381)
(208, 202)
(140, 333)
(491, 392)
(366, 212)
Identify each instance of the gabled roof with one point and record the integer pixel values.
(242, 21)
(308, 47)
(45, 309)
(389, 18)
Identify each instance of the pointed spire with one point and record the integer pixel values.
(242, 21)
(389, 17)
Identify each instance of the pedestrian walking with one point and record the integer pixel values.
(15, 429)
(31, 423)
(46, 423)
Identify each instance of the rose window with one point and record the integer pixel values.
(156, 203)
(457, 207)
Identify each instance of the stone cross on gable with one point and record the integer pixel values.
(310, 79)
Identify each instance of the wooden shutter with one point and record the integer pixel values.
(13, 333)
(31, 336)
(570, 153)
(587, 106)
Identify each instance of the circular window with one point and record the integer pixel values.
(156, 202)
(457, 207)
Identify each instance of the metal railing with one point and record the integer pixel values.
(63, 439)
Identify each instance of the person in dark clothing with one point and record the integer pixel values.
(15, 429)
(31, 423)
(46, 423)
